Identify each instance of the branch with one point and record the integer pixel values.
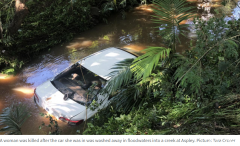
(1, 30)
(202, 57)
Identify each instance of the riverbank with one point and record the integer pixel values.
(48, 24)
(135, 32)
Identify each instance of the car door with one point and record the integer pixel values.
(97, 104)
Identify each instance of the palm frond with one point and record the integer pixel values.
(122, 86)
(128, 97)
(13, 118)
(122, 74)
(143, 66)
(171, 13)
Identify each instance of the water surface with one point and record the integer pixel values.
(136, 32)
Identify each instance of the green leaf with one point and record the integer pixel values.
(220, 58)
(171, 13)
(144, 65)
(42, 114)
(118, 119)
(232, 43)
(13, 118)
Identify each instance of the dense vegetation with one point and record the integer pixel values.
(28, 27)
(164, 92)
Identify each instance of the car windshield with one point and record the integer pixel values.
(79, 84)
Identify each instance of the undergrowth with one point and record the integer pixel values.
(196, 92)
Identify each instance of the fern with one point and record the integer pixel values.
(210, 65)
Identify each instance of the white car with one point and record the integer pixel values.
(67, 94)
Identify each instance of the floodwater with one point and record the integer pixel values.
(136, 32)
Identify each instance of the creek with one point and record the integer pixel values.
(136, 32)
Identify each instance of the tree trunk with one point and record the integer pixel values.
(21, 12)
(1, 30)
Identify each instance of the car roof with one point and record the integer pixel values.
(102, 61)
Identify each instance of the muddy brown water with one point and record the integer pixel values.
(136, 32)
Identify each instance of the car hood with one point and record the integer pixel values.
(52, 100)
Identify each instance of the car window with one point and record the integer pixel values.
(82, 84)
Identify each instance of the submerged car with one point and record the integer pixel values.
(67, 94)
